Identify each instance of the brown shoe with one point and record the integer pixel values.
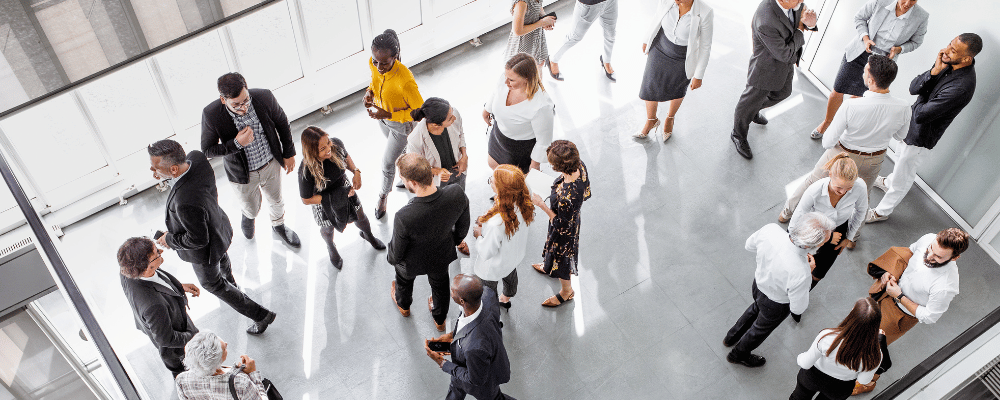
(859, 388)
(463, 248)
(785, 216)
(405, 313)
(539, 268)
(440, 327)
(557, 300)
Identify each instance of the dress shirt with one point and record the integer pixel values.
(782, 273)
(931, 288)
(852, 207)
(529, 119)
(939, 100)
(868, 123)
(157, 278)
(676, 28)
(395, 89)
(499, 254)
(816, 357)
(463, 320)
(258, 151)
(173, 181)
(891, 27)
(216, 387)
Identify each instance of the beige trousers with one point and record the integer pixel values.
(267, 180)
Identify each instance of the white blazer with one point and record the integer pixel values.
(419, 141)
(700, 41)
(498, 254)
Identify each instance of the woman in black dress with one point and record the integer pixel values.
(569, 192)
(333, 198)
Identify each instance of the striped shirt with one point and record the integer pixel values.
(258, 152)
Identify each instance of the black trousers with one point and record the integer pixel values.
(458, 390)
(509, 284)
(753, 100)
(173, 359)
(218, 279)
(826, 255)
(440, 291)
(756, 323)
(811, 381)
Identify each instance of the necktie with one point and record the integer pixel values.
(791, 17)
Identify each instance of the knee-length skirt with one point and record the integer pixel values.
(665, 77)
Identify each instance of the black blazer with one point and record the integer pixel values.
(777, 46)
(478, 357)
(158, 313)
(198, 228)
(426, 231)
(939, 100)
(218, 133)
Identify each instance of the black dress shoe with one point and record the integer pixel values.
(259, 327)
(742, 147)
(400, 185)
(610, 75)
(380, 208)
(377, 244)
(750, 360)
(247, 226)
(556, 76)
(505, 305)
(728, 343)
(288, 236)
(759, 119)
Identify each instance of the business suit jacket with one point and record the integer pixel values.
(426, 231)
(197, 227)
(777, 46)
(869, 19)
(478, 357)
(218, 133)
(699, 46)
(939, 100)
(161, 315)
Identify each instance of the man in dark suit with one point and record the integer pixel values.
(777, 46)
(479, 363)
(424, 235)
(250, 130)
(198, 229)
(157, 299)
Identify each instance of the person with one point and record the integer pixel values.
(862, 129)
(198, 229)
(424, 235)
(333, 198)
(526, 28)
(921, 294)
(479, 363)
(677, 51)
(585, 12)
(250, 131)
(522, 114)
(390, 97)
(777, 46)
(942, 92)
(157, 299)
(854, 350)
(780, 285)
(561, 251)
(885, 28)
(207, 379)
(502, 233)
(439, 137)
(840, 197)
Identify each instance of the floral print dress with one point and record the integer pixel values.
(563, 243)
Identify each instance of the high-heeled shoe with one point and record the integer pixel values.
(666, 135)
(610, 75)
(643, 135)
(555, 75)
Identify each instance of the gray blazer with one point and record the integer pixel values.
(419, 141)
(777, 46)
(869, 19)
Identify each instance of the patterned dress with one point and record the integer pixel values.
(563, 243)
(531, 43)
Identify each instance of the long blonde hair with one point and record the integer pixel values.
(512, 192)
(310, 154)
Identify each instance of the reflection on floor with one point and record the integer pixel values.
(663, 272)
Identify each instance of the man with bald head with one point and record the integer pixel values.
(479, 363)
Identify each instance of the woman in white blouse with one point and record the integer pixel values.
(207, 379)
(677, 47)
(523, 115)
(854, 350)
(503, 231)
(843, 197)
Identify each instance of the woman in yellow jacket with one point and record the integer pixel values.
(389, 99)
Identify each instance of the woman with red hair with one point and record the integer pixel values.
(502, 231)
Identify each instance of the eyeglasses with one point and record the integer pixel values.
(243, 104)
(489, 181)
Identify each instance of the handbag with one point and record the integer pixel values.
(269, 389)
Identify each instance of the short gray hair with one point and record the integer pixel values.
(203, 353)
(170, 152)
(810, 231)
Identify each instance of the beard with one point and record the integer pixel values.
(953, 62)
(931, 264)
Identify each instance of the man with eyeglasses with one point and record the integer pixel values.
(250, 130)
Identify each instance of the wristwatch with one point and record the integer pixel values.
(900, 297)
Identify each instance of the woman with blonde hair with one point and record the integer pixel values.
(503, 231)
(323, 184)
(842, 197)
(522, 116)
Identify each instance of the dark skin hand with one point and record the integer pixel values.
(438, 357)
(383, 61)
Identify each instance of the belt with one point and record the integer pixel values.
(860, 153)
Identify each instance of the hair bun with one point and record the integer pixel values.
(417, 114)
(390, 32)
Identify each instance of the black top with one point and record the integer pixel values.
(443, 144)
(478, 356)
(591, 2)
(335, 175)
(939, 100)
(426, 231)
(158, 312)
(198, 228)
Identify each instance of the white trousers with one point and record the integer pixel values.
(902, 177)
(583, 17)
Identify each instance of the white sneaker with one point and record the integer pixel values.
(872, 216)
(880, 183)
(816, 134)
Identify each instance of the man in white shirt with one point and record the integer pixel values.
(862, 128)
(924, 290)
(781, 283)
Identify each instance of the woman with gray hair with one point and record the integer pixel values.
(207, 379)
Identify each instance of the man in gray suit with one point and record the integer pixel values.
(777, 45)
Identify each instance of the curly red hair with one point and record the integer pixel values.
(512, 191)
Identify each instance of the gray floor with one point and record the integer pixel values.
(663, 272)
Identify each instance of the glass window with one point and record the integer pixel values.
(334, 30)
(398, 15)
(189, 73)
(265, 48)
(836, 35)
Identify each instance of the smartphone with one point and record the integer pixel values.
(441, 347)
(157, 235)
(551, 14)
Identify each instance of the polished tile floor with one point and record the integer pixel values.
(663, 270)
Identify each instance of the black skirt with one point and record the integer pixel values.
(665, 77)
(505, 150)
(850, 78)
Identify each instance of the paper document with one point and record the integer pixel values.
(539, 182)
